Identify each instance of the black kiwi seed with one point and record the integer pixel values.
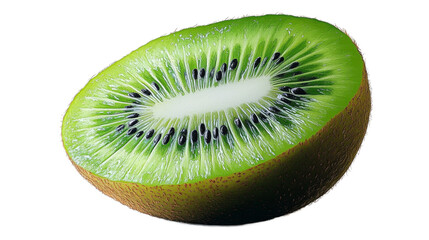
(289, 96)
(283, 99)
(133, 122)
(146, 92)
(131, 131)
(134, 95)
(202, 128)
(157, 138)
(166, 139)
(215, 133)
(297, 73)
(276, 55)
(195, 74)
(254, 118)
(150, 133)
(139, 134)
(134, 115)
(280, 60)
(294, 65)
(284, 88)
(298, 91)
(155, 85)
(194, 136)
(262, 116)
(238, 123)
(233, 64)
(202, 73)
(184, 131)
(182, 139)
(223, 130)
(219, 75)
(223, 67)
(120, 127)
(257, 62)
(207, 136)
(171, 131)
(273, 109)
(128, 107)
(212, 73)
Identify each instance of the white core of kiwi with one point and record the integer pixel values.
(221, 97)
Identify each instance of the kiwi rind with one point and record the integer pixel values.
(274, 188)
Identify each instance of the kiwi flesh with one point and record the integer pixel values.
(235, 122)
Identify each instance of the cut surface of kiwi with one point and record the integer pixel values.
(207, 103)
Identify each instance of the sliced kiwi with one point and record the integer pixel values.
(233, 122)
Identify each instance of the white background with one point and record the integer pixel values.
(49, 50)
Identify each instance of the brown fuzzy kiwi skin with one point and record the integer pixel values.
(274, 188)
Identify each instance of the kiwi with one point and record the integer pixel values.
(235, 122)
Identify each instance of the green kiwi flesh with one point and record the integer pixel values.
(233, 122)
